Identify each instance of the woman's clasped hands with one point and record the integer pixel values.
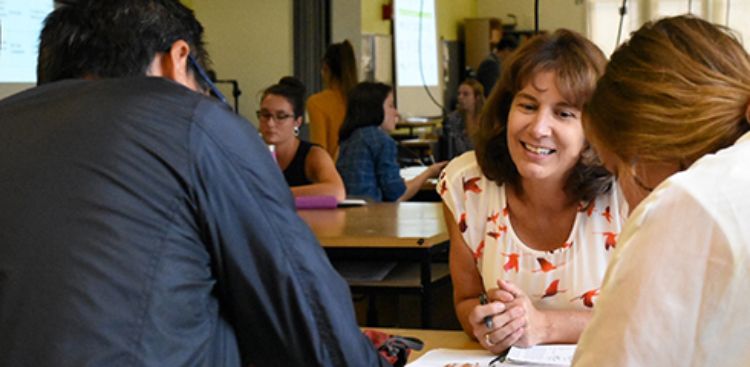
(508, 319)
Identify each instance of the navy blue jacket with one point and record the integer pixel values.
(142, 224)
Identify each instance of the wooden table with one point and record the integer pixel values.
(433, 339)
(418, 148)
(410, 233)
(418, 123)
(418, 143)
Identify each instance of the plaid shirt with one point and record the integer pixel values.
(368, 164)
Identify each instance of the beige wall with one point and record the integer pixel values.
(345, 26)
(450, 17)
(553, 14)
(372, 20)
(250, 41)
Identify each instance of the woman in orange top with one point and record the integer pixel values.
(327, 108)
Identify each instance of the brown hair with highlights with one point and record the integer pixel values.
(677, 90)
(577, 63)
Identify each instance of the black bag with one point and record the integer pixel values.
(393, 348)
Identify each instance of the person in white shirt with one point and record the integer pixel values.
(533, 217)
(670, 119)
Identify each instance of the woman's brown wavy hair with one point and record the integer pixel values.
(577, 63)
(677, 90)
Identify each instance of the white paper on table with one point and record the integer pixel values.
(441, 357)
(544, 355)
(552, 355)
(348, 202)
(407, 173)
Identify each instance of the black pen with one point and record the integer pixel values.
(487, 319)
(498, 360)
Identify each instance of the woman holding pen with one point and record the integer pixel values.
(533, 217)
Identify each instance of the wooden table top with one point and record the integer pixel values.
(379, 225)
(433, 339)
(412, 123)
(418, 142)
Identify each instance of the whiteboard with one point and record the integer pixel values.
(417, 66)
(20, 24)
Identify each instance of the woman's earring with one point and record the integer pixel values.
(296, 131)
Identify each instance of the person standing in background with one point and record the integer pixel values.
(460, 124)
(328, 107)
(307, 168)
(489, 70)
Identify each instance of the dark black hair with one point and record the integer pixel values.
(293, 90)
(508, 42)
(113, 38)
(342, 65)
(364, 107)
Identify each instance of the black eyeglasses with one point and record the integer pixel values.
(266, 115)
(206, 80)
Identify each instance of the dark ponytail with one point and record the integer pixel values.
(292, 90)
(339, 58)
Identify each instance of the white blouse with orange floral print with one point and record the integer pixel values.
(566, 278)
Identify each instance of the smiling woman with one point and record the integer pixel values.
(533, 217)
(546, 136)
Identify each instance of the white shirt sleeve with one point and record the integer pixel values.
(660, 304)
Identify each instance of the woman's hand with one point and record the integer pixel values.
(495, 325)
(435, 168)
(413, 185)
(535, 322)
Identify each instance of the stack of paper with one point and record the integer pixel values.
(445, 357)
(554, 355)
(407, 173)
(542, 355)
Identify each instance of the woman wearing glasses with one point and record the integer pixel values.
(308, 168)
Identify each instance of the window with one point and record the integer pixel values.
(737, 13)
(603, 17)
(604, 21)
(666, 8)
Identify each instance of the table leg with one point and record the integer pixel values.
(372, 310)
(426, 278)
